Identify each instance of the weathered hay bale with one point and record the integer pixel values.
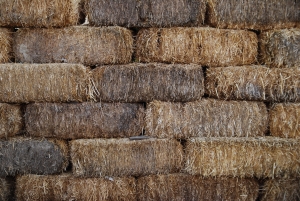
(21, 83)
(4, 189)
(84, 120)
(267, 157)
(67, 187)
(5, 44)
(11, 120)
(280, 48)
(24, 156)
(254, 83)
(205, 46)
(146, 82)
(79, 44)
(254, 14)
(122, 157)
(206, 118)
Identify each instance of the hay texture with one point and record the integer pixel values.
(4, 189)
(84, 120)
(21, 83)
(280, 48)
(146, 13)
(11, 121)
(146, 82)
(5, 44)
(267, 157)
(253, 14)
(205, 46)
(254, 83)
(122, 157)
(79, 44)
(66, 187)
(206, 118)
(25, 156)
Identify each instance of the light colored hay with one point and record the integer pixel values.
(254, 83)
(4, 189)
(11, 121)
(206, 118)
(5, 44)
(205, 46)
(146, 82)
(122, 157)
(79, 44)
(267, 157)
(84, 120)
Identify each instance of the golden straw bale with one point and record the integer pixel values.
(11, 120)
(5, 44)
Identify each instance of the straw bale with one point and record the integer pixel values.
(4, 189)
(79, 44)
(254, 83)
(5, 44)
(21, 83)
(11, 121)
(146, 82)
(66, 187)
(122, 157)
(253, 14)
(206, 118)
(84, 120)
(267, 157)
(280, 48)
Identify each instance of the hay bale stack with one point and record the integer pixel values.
(24, 156)
(11, 121)
(5, 44)
(4, 189)
(206, 118)
(67, 187)
(122, 157)
(254, 14)
(21, 83)
(254, 83)
(267, 157)
(205, 46)
(80, 44)
(146, 82)
(280, 48)
(84, 120)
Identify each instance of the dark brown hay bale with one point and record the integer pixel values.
(280, 48)
(132, 13)
(146, 82)
(80, 44)
(67, 187)
(4, 189)
(205, 46)
(5, 44)
(254, 14)
(11, 121)
(25, 156)
(84, 120)
(267, 157)
(21, 83)
(122, 157)
(206, 118)
(254, 83)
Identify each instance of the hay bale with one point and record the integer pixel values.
(254, 83)
(122, 157)
(5, 44)
(206, 118)
(267, 157)
(146, 82)
(4, 189)
(205, 46)
(67, 187)
(11, 121)
(253, 14)
(25, 155)
(21, 83)
(80, 44)
(84, 120)
(280, 48)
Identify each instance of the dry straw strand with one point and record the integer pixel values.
(11, 120)
(5, 44)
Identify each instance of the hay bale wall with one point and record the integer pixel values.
(79, 44)
(84, 120)
(11, 121)
(5, 44)
(205, 46)
(146, 82)
(4, 189)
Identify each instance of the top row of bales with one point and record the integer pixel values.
(247, 14)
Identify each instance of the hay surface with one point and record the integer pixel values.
(267, 157)
(5, 44)
(84, 120)
(11, 121)
(4, 189)
(146, 82)
(22, 83)
(122, 157)
(254, 83)
(206, 118)
(254, 14)
(79, 44)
